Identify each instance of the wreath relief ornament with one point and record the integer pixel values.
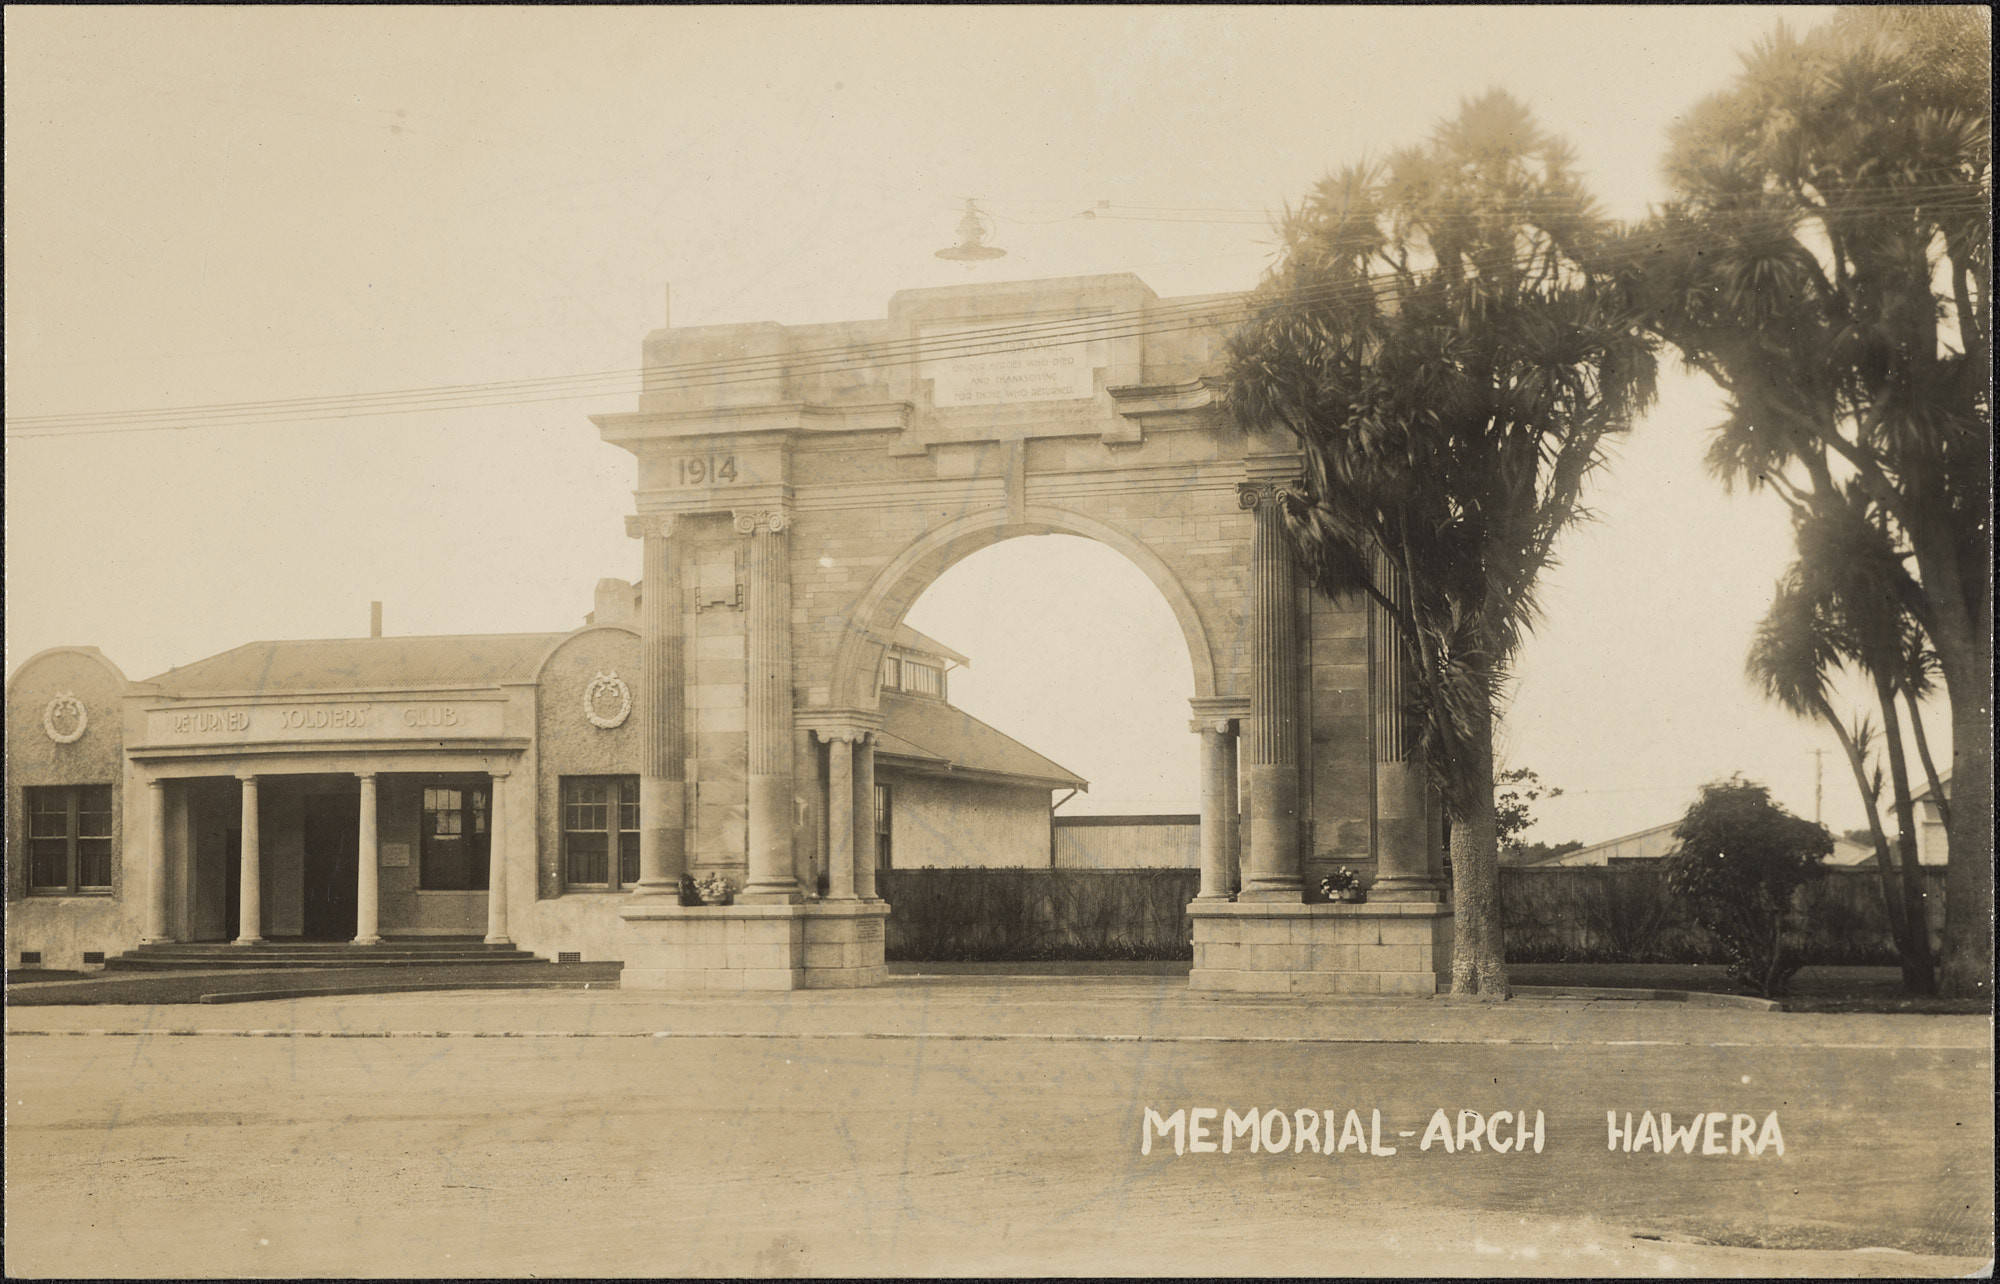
(607, 701)
(65, 719)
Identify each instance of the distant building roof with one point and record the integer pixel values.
(931, 735)
(340, 664)
(910, 640)
(1645, 844)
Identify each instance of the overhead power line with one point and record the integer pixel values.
(963, 342)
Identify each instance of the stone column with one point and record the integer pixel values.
(662, 715)
(839, 814)
(771, 876)
(156, 893)
(1232, 814)
(1402, 813)
(367, 881)
(864, 818)
(496, 861)
(1218, 765)
(249, 884)
(1272, 871)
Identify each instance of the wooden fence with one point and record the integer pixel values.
(1576, 915)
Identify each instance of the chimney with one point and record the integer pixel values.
(616, 602)
(374, 619)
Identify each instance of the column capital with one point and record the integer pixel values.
(1265, 492)
(751, 520)
(1206, 707)
(849, 726)
(156, 782)
(499, 773)
(650, 525)
(247, 777)
(365, 775)
(1218, 726)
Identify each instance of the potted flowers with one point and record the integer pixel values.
(715, 888)
(1343, 884)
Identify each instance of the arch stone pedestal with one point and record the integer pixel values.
(796, 507)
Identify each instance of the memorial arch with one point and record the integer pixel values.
(799, 487)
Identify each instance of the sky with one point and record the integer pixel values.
(213, 205)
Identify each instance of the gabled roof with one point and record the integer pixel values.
(909, 639)
(930, 735)
(341, 664)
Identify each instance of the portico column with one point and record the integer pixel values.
(1218, 763)
(772, 877)
(367, 880)
(249, 884)
(662, 716)
(864, 818)
(156, 893)
(1402, 812)
(1272, 871)
(839, 814)
(496, 862)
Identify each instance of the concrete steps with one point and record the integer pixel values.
(404, 953)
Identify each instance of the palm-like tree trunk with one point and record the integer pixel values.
(1478, 962)
(1919, 972)
(1924, 756)
(1885, 868)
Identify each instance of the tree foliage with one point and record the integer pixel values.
(1827, 260)
(1440, 337)
(1518, 790)
(1741, 858)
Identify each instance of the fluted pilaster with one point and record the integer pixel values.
(661, 710)
(772, 876)
(1403, 850)
(1272, 870)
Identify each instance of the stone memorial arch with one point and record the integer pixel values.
(800, 486)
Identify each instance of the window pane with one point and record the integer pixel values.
(588, 859)
(48, 813)
(628, 858)
(48, 863)
(94, 811)
(628, 803)
(94, 863)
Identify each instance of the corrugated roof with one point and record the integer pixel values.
(911, 640)
(932, 733)
(339, 664)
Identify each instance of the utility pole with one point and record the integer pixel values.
(1819, 757)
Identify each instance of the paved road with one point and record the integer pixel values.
(829, 1151)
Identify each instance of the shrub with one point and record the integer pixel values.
(1740, 860)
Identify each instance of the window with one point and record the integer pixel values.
(923, 679)
(882, 821)
(69, 838)
(456, 840)
(892, 673)
(600, 831)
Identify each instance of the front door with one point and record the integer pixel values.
(332, 860)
